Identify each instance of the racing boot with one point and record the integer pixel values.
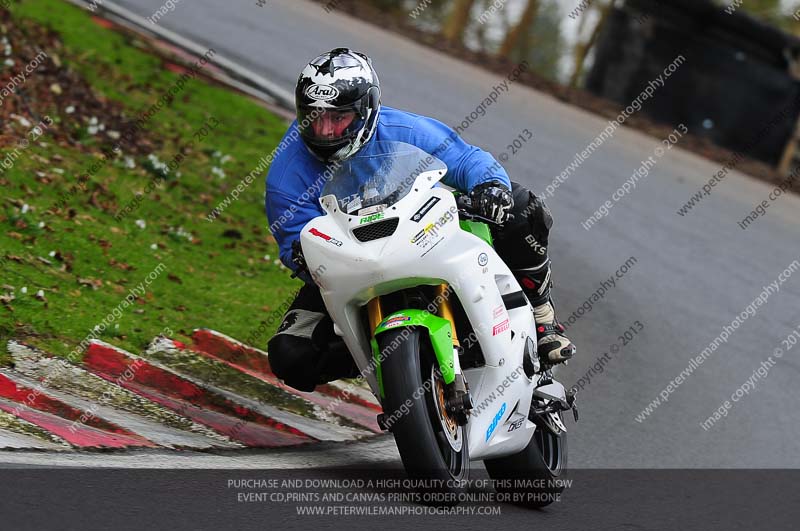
(553, 346)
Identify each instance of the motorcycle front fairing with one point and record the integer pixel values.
(428, 247)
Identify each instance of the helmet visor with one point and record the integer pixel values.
(328, 127)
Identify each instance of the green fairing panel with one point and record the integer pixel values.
(478, 228)
(438, 331)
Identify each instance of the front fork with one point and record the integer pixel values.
(457, 400)
(454, 398)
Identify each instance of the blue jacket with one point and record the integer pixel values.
(294, 183)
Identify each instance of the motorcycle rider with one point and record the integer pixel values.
(339, 113)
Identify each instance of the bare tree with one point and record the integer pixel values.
(480, 30)
(457, 20)
(582, 48)
(513, 37)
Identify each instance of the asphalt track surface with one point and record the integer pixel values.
(693, 274)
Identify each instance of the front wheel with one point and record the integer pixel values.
(432, 446)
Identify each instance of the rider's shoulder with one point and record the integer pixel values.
(392, 117)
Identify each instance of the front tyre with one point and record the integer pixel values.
(432, 446)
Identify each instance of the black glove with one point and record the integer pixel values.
(492, 200)
(299, 261)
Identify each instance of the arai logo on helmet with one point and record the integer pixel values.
(322, 92)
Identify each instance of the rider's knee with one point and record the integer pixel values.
(291, 359)
(531, 210)
(523, 241)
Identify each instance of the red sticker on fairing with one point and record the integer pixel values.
(322, 235)
(325, 237)
(395, 321)
(500, 328)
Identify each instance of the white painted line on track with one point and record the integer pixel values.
(374, 452)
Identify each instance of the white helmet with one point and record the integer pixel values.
(339, 81)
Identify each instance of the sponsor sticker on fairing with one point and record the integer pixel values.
(372, 210)
(517, 424)
(397, 320)
(499, 328)
(495, 421)
(424, 209)
(325, 237)
(421, 237)
(370, 218)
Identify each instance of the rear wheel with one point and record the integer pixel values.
(534, 477)
(432, 445)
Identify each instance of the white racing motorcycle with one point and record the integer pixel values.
(438, 325)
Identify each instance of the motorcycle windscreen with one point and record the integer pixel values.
(379, 175)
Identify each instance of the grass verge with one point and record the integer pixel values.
(67, 262)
